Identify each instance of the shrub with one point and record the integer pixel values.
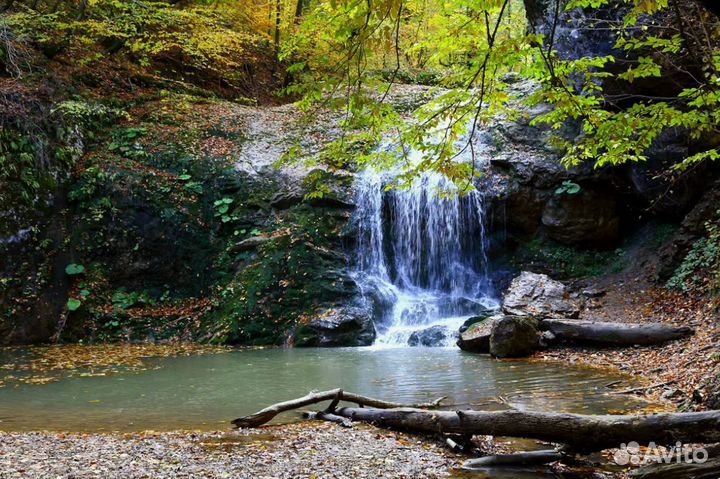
(700, 270)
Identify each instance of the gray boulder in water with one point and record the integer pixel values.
(432, 336)
(476, 337)
(514, 336)
(532, 294)
(344, 326)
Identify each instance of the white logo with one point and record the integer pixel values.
(632, 454)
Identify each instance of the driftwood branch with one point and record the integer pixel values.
(517, 459)
(266, 415)
(328, 416)
(642, 389)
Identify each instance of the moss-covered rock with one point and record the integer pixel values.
(343, 326)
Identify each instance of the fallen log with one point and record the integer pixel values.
(613, 334)
(335, 395)
(581, 432)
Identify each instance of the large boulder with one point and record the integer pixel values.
(532, 294)
(432, 336)
(346, 326)
(514, 336)
(476, 338)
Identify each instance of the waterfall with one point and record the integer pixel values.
(420, 255)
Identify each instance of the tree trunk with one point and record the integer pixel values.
(276, 36)
(613, 334)
(581, 432)
(299, 8)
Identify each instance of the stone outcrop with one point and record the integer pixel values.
(532, 294)
(345, 326)
(588, 218)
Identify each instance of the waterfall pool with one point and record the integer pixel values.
(205, 392)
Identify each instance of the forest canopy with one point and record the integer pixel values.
(659, 73)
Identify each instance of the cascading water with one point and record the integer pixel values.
(421, 256)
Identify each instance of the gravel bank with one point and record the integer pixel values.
(304, 450)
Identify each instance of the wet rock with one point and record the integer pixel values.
(476, 319)
(514, 336)
(346, 326)
(588, 218)
(538, 295)
(432, 336)
(476, 339)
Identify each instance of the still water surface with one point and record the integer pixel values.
(206, 392)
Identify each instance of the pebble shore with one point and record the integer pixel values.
(303, 450)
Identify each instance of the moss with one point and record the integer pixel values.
(564, 262)
(286, 279)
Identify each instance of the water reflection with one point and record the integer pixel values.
(205, 392)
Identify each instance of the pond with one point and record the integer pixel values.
(205, 392)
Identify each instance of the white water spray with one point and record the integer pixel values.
(421, 255)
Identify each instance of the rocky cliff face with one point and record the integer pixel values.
(177, 225)
(532, 197)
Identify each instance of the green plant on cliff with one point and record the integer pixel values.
(700, 270)
(563, 261)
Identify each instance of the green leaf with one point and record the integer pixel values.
(73, 304)
(74, 269)
(184, 177)
(573, 188)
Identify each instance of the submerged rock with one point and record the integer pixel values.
(514, 336)
(347, 326)
(538, 295)
(476, 338)
(432, 336)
